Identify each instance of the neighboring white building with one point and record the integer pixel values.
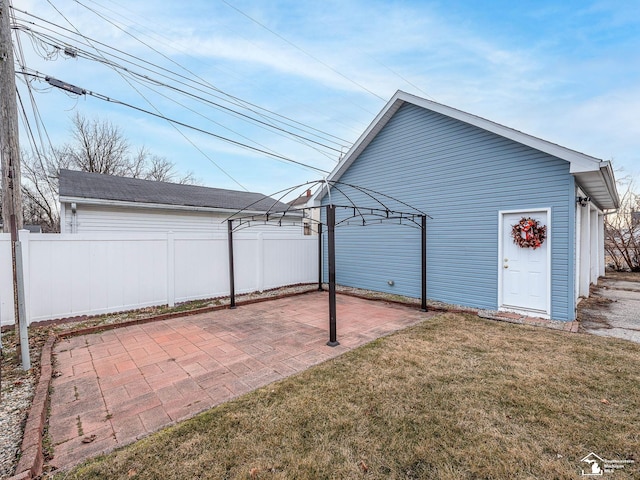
(311, 216)
(92, 202)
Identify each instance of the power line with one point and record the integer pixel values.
(185, 137)
(54, 43)
(32, 140)
(19, 54)
(156, 82)
(238, 101)
(302, 50)
(220, 137)
(168, 42)
(153, 106)
(115, 65)
(105, 98)
(409, 82)
(202, 83)
(220, 124)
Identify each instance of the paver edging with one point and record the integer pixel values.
(22, 476)
(32, 457)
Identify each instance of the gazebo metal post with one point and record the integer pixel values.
(232, 286)
(319, 256)
(331, 224)
(423, 254)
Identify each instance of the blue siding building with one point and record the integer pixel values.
(475, 179)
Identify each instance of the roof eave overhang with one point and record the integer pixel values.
(356, 149)
(580, 164)
(600, 185)
(156, 206)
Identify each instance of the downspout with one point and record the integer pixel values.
(74, 218)
(62, 219)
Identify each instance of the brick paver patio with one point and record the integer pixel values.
(118, 386)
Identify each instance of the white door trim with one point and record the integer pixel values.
(501, 215)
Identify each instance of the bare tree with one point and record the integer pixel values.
(97, 146)
(136, 166)
(40, 188)
(622, 230)
(162, 170)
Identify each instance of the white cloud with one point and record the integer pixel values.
(574, 85)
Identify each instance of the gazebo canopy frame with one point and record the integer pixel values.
(359, 215)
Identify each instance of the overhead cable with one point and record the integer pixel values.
(177, 122)
(66, 87)
(56, 44)
(202, 83)
(302, 50)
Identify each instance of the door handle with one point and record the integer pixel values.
(506, 266)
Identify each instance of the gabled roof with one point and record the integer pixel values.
(593, 175)
(302, 200)
(95, 188)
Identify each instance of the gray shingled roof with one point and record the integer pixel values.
(108, 187)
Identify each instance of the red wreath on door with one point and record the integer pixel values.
(528, 233)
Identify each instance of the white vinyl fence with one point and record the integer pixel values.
(86, 274)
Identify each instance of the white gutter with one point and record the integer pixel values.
(163, 206)
(578, 162)
(607, 172)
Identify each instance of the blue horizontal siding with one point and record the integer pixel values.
(462, 176)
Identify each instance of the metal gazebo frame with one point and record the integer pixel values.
(371, 215)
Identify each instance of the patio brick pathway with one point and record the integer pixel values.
(124, 384)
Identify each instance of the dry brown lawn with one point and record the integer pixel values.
(456, 397)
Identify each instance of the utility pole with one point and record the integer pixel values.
(10, 163)
(9, 149)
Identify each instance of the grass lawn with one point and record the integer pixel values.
(456, 397)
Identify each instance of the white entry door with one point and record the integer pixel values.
(524, 272)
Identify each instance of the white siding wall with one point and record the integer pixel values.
(98, 218)
(87, 274)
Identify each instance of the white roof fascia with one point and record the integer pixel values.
(579, 162)
(372, 130)
(163, 206)
(606, 170)
(610, 180)
(605, 195)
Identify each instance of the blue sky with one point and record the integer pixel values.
(566, 71)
